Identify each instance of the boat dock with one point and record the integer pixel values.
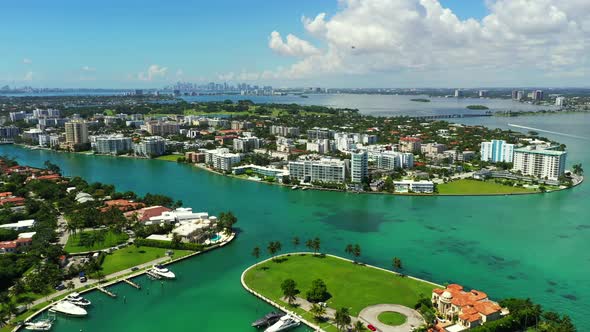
(132, 283)
(107, 292)
(152, 275)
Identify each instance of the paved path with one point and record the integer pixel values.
(370, 314)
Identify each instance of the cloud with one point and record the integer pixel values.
(27, 61)
(292, 47)
(88, 69)
(28, 76)
(422, 36)
(153, 72)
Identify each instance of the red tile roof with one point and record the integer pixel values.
(145, 214)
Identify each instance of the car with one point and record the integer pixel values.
(135, 268)
(371, 327)
(83, 279)
(60, 287)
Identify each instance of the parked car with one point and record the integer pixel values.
(371, 327)
(60, 287)
(83, 277)
(135, 268)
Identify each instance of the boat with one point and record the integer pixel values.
(78, 300)
(152, 275)
(163, 272)
(69, 309)
(294, 188)
(42, 325)
(284, 323)
(304, 188)
(268, 319)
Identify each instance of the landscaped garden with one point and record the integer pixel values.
(94, 240)
(131, 256)
(392, 318)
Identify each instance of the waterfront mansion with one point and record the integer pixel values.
(462, 310)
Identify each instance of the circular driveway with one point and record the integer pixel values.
(370, 314)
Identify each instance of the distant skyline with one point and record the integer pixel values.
(345, 43)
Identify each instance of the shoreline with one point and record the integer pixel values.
(120, 279)
(203, 167)
(292, 313)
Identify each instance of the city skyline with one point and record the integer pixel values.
(341, 44)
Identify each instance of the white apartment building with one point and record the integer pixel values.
(560, 101)
(246, 144)
(497, 151)
(112, 144)
(150, 147)
(538, 162)
(285, 131)
(422, 187)
(359, 166)
(325, 170)
(390, 160)
(320, 146)
(221, 158)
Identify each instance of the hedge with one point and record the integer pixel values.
(169, 245)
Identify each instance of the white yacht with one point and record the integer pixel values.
(42, 325)
(68, 308)
(78, 300)
(294, 187)
(286, 322)
(163, 272)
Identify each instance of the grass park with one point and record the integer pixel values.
(392, 318)
(371, 286)
(476, 187)
(169, 157)
(94, 240)
(131, 256)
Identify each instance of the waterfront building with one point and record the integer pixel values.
(390, 160)
(464, 310)
(320, 133)
(162, 128)
(32, 135)
(542, 163)
(410, 144)
(421, 187)
(458, 93)
(76, 132)
(517, 95)
(112, 144)
(246, 144)
(483, 93)
(359, 166)
(20, 225)
(432, 148)
(560, 101)
(261, 170)
(285, 131)
(497, 151)
(150, 147)
(324, 170)
(47, 140)
(9, 132)
(538, 95)
(195, 157)
(221, 159)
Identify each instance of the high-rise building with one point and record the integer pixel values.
(162, 128)
(284, 131)
(152, 146)
(246, 144)
(9, 132)
(390, 160)
(325, 170)
(359, 166)
(560, 101)
(517, 95)
(542, 163)
(497, 151)
(458, 93)
(112, 144)
(538, 95)
(320, 133)
(76, 132)
(483, 93)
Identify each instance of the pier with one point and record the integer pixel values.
(107, 292)
(132, 283)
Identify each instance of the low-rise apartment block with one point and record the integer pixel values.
(324, 170)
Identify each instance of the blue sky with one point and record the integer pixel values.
(112, 43)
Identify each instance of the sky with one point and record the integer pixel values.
(326, 43)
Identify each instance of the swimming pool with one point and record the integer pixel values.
(215, 238)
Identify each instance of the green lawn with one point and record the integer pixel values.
(351, 285)
(475, 187)
(131, 256)
(111, 239)
(392, 318)
(170, 157)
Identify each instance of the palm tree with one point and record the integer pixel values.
(295, 242)
(358, 326)
(356, 251)
(256, 253)
(342, 318)
(289, 288)
(273, 247)
(348, 249)
(317, 311)
(397, 264)
(309, 244)
(578, 170)
(316, 245)
(71, 285)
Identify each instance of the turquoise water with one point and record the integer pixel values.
(215, 238)
(526, 246)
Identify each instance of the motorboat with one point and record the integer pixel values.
(163, 272)
(78, 300)
(294, 187)
(69, 309)
(42, 325)
(284, 323)
(268, 319)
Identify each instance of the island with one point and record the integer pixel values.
(477, 107)
(330, 293)
(420, 100)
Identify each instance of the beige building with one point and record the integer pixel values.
(76, 132)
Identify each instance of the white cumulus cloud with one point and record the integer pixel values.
(153, 72)
(393, 36)
(27, 61)
(28, 76)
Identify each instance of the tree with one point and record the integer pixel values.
(318, 291)
(397, 264)
(342, 319)
(295, 242)
(289, 288)
(358, 326)
(348, 250)
(71, 286)
(228, 220)
(176, 241)
(309, 244)
(256, 252)
(316, 245)
(317, 311)
(356, 251)
(578, 170)
(273, 247)
(52, 167)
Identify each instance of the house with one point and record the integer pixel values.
(20, 225)
(7, 198)
(121, 204)
(144, 214)
(84, 197)
(468, 308)
(14, 247)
